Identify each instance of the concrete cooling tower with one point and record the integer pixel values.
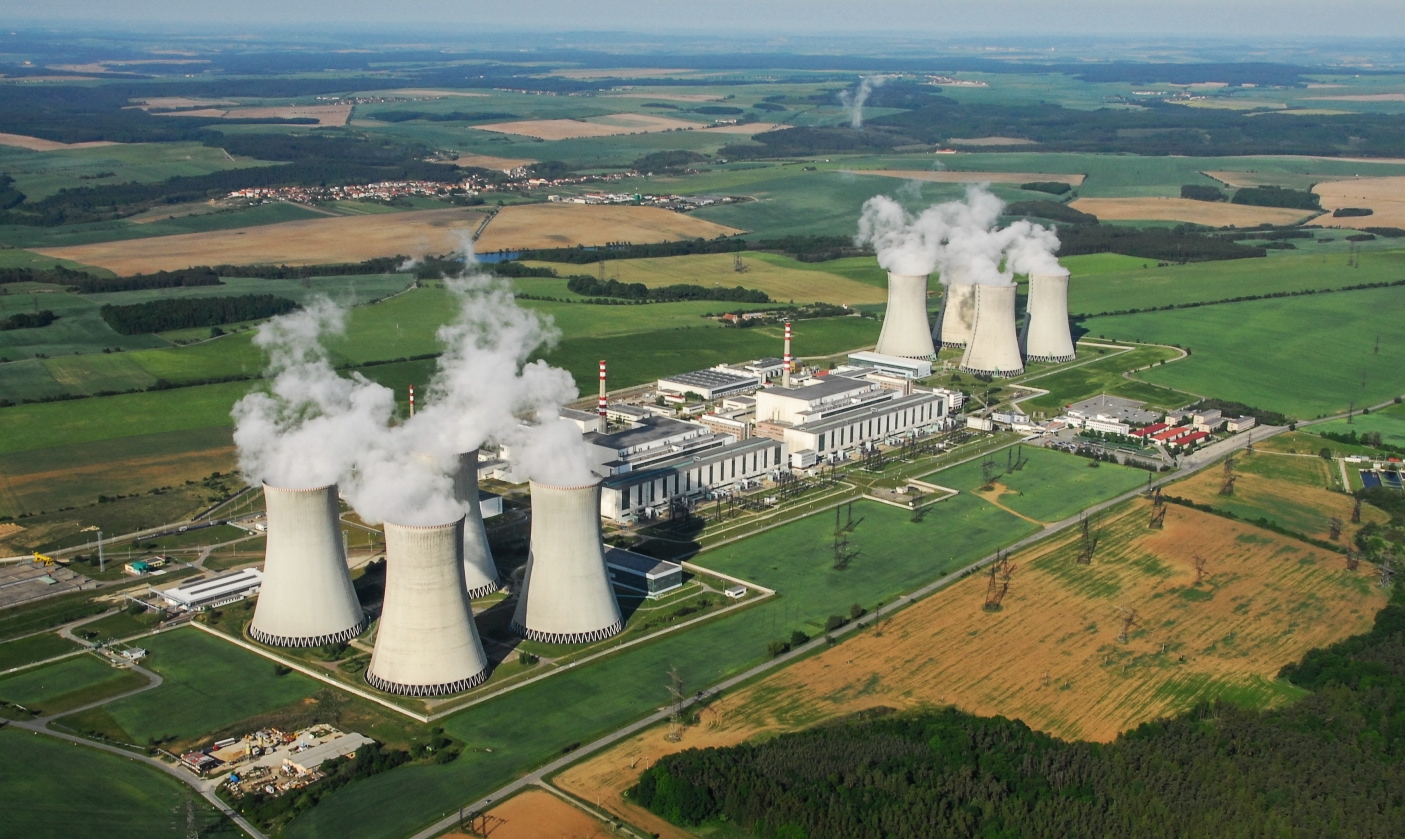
(479, 573)
(906, 332)
(994, 349)
(958, 315)
(426, 643)
(566, 594)
(1046, 332)
(306, 599)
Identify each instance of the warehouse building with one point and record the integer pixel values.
(798, 405)
(711, 384)
(910, 368)
(199, 595)
(647, 492)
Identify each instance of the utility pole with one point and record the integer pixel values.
(102, 561)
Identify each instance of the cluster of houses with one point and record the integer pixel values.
(1117, 417)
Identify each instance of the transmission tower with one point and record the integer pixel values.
(1353, 560)
(1158, 517)
(1335, 524)
(1387, 572)
(1089, 542)
(1227, 488)
(1001, 570)
(1199, 569)
(676, 699)
(1129, 620)
(737, 264)
(1356, 512)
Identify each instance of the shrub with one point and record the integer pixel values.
(1352, 212)
(1198, 192)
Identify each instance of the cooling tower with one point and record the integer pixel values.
(994, 348)
(306, 599)
(1046, 333)
(958, 315)
(906, 332)
(479, 573)
(566, 595)
(426, 643)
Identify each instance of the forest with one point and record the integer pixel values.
(1329, 765)
(591, 287)
(191, 312)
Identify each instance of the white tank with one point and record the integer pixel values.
(906, 332)
(426, 643)
(994, 349)
(1047, 336)
(306, 599)
(479, 573)
(566, 595)
(958, 315)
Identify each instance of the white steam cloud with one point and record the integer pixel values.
(316, 427)
(853, 100)
(957, 238)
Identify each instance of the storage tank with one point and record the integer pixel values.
(426, 642)
(566, 595)
(906, 332)
(1047, 336)
(306, 599)
(994, 348)
(958, 315)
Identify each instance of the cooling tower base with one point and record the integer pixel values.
(484, 590)
(1051, 359)
(427, 690)
(315, 641)
(1004, 374)
(953, 345)
(568, 638)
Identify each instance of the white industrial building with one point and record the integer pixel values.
(711, 384)
(1105, 408)
(198, 595)
(910, 368)
(1047, 336)
(566, 596)
(646, 492)
(870, 421)
(649, 441)
(306, 598)
(426, 641)
(906, 331)
(584, 420)
(994, 346)
(797, 405)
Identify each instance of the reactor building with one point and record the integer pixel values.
(426, 642)
(566, 595)
(1046, 332)
(306, 598)
(958, 315)
(906, 332)
(994, 348)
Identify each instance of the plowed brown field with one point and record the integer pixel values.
(537, 814)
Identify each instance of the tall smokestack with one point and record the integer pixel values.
(426, 642)
(906, 332)
(1047, 336)
(958, 315)
(785, 374)
(603, 406)
(566, 595)
(994, 349)
(306, 599)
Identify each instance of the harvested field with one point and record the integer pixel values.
(21, 141)
(624, 73)
(324, 114)
(671, 97)
(1385, 196)
(1050, 656)
(945, 176)
(1212, 213)
(990, 141)
(310, 242)
(607, 126)
(538, 814)
(748, 129)
(427, 93)
(162, 103)
(1362, 97)
(567, 225)
(487, 161)
(1243, 179)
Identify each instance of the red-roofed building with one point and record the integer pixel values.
(1170, 434)
(1190, 439)
(1150, 429)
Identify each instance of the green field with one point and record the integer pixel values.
(1104, 375)
(58, 790)
(1388, 422)
(209, 685)
(67, 684)
(107, 231)
(1051, 485)
(33, 648)
(1303, 356)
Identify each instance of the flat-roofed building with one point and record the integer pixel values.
(738, 428)
(647, 492)
(866, 423)
(797, 405)
(1240, 423)
(621, 412)
(584, 420)
(651, 440)
(309, 760)
(199, 595)
(909, 368)
(1113, 409)
(644, 574)
(1207, 419)
(711, 384)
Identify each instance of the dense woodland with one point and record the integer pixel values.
(591, 287)
(1330, 765)
(192, 312)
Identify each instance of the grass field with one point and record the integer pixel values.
(67, 684)
(71, 235)
(1104, 375)
(1304, 356)
(1388, 422)
(1049, 487)
(33, 648)
(41, 174)
(57, 790)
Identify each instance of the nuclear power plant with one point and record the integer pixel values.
(566, 595)
(1046, 331)
(906, 332)
(958, 315)
(426, 642)
(306, 599)
(994, 347)
(480, 574)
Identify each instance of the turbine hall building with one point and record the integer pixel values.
(648, 491)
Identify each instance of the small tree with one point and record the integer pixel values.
(856, 611)
(798, 638)
(1325, 454)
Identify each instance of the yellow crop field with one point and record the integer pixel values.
(21, 141)
(1212, 213)
(487, 161)
(945, 176)
(568, 225)
(538, 814)
(605, 126)
(1385, 197)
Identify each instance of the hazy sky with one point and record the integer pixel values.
(1307, 19)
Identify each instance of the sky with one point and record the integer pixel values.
(1249, 19)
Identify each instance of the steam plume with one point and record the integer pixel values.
(853, 100)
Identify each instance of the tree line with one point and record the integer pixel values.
(592, 287)
(192, 312)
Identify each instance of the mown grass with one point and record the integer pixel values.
(1050, 486)
(1104, 375)
(34, 648)
(66, 684)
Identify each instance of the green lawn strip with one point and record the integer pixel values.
(1388, 422)
(1104, 375)
(59, 790)
(34, 648)
(209, 684)
(66, 684)
(1303, 356)
(1050, 486)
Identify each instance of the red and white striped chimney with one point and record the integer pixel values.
(604, 402)
(412, 400)
(785, 374)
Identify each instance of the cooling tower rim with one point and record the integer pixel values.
(404, 689)
(323, 488)
(347, 634)
(907, 274)
(593, 484)
(423, 527)
(1063, 275)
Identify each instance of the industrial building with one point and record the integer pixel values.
(651, 440)
(958, 315)
(199, 595)
(566, 595)
(909, 368)
(1047, 336)
(426, 641)
(994, 346)
(906, 331)
(648, 491)
(797, 405)
(1111, 409)
(306, 598)
(310, 760)
(869, 422)
(644, 574)
(711, 384)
